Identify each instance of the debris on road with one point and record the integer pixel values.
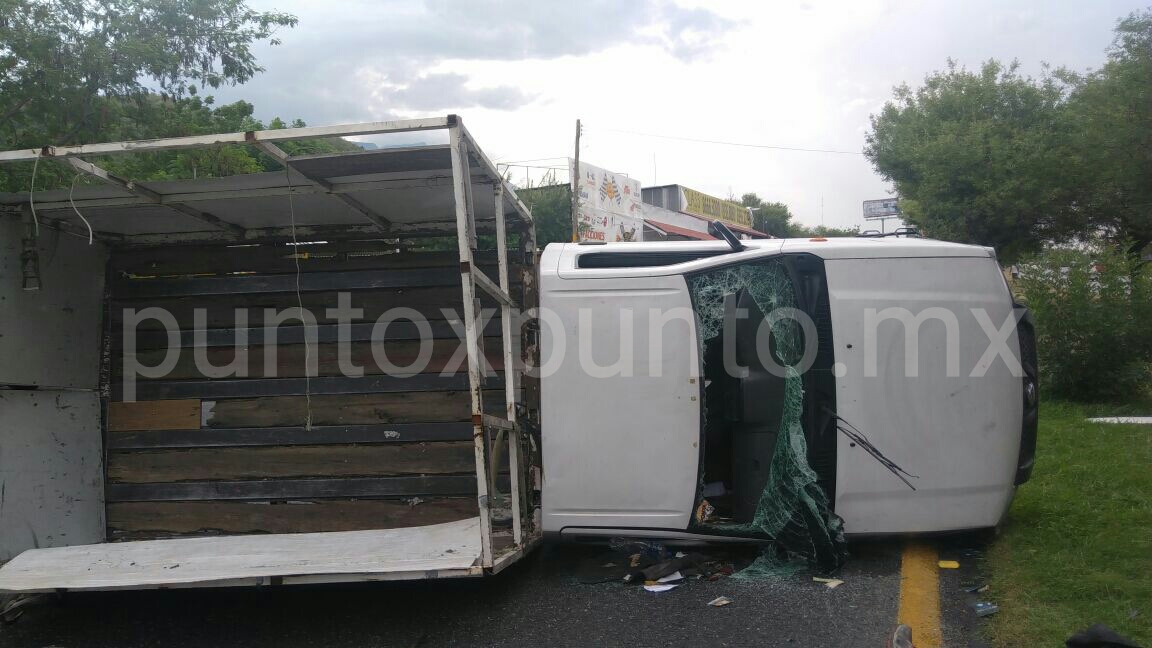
(948, 564)
(671, 581)
(984, 608)
(830, 583)
(646, 548)
(720, 601)
(977, 589)
(901, 638)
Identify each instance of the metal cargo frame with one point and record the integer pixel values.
(343, 205)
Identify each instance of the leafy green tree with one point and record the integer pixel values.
(551, 206)
(979, 157)
(196, 116)
(1111, 142)
(77, 71)
(67, 65)
(1093, 311)
(771, 218)
(799, 230)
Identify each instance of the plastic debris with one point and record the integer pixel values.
(646, 548)
(984, 608)
(671, 581)
(977, 589)
(901, 638)
(948, 564)
(704, 512)
(830, 583)
(720, 601)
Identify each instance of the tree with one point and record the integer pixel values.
(1000, 159)
(799, 230)
(551, 206)
(771, 218)
(979, 157)
(1093, 310)
(67, 65)
(194, 116)
(1111, 144)
(77, 71)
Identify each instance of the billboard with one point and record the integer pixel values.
(609, 205)
(713, 208)
(882, 208)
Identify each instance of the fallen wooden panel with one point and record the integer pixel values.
(161, 519)
(410, 552)
(154, 415)
(158, 466)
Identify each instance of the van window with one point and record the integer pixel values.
(642, 259)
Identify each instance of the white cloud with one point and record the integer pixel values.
(803, 74)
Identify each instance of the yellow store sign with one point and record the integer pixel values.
(711, 207)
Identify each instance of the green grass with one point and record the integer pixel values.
(1076, 548)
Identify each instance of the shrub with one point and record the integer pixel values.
(1093, 312)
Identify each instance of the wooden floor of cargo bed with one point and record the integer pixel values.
(450, 549)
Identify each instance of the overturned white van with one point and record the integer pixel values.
(909, 405)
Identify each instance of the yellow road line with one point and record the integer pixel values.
(920, 594)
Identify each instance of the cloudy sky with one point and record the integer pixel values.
(787, 73)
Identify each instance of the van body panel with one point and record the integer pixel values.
(960, 433)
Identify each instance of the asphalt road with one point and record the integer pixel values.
(540, 602)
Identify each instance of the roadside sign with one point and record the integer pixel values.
(882, 208)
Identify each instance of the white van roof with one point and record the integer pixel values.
(849, 247)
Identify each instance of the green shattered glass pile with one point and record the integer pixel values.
(793, 510)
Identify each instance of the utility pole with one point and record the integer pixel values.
(576, 189)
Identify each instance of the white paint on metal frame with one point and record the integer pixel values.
(251, 137)
(462, 190)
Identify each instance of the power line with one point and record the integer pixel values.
(536, 160)
(722, 143)
(529, 166)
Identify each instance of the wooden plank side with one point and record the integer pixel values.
(289, 359)
(218, 259)
(244, 284)
(346, 409)
(296, 489)
(291, 333)
(154, 415)
(142, 520)
(220, 311)
(327, 385)
(205, 464)
(289, 436)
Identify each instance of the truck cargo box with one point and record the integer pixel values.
(309, 375)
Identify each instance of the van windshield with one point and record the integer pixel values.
(756, 478)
